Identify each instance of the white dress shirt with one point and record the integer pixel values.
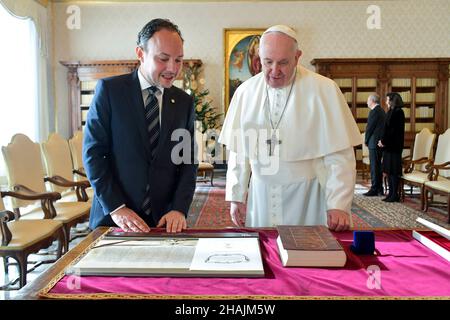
(159, 94)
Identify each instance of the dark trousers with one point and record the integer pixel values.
(376, 174)
(393, 181)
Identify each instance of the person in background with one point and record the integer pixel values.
(392, 142)
(374, 130)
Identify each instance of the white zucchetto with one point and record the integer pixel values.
(283, 29)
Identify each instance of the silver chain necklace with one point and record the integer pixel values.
(273, 141)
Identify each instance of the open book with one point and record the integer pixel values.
(309, 246)
(166, 256)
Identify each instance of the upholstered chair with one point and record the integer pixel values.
(439, 176)
(58, 166)
(76, 151)
(26, 182)
(20, 238)
(415, 165)
(204, 168)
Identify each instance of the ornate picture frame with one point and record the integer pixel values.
(241, 58)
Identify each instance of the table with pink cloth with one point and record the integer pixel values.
(402, 267)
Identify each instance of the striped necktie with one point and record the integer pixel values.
(153, 128)
(152, 117)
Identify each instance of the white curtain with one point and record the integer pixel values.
(24, 92)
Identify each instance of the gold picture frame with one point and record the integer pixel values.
(241, 58)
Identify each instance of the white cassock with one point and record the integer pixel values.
(312, 170)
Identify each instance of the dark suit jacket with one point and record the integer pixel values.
(116, 152)
(394, 131)
(374, 128)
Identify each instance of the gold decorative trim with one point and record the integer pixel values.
(150, 1)
(59, 276)
(122, 296)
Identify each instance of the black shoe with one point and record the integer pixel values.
(387, 198)
(392, 199)
(370, 193)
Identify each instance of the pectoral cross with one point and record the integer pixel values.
(273, 141)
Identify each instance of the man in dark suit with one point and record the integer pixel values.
(138, 148)
(374, 131)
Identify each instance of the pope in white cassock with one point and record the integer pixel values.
(290, 133)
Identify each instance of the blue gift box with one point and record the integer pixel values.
(363, 242)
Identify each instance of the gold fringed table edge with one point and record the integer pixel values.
(124, 296)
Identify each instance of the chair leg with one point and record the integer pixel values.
(422, 198)
(448, 207)
(61, 241)
(5, 264)
(66, 230)
(425, 199)
(22, 266)
(402, 190)
(212, 177)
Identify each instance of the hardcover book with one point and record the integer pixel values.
(309, 246)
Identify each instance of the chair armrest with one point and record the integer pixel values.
(445, 165)
(60, 181)
(80, 186)
(80, 172)
(47, 198)
(434, 170)
(24, 193)
(5, 216)
(407, 158)
(409, 165)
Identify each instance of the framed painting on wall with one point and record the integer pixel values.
(241, 58)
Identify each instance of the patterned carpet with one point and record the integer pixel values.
(209, 209)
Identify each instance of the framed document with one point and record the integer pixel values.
(188, 255)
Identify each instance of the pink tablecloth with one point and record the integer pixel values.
(402, 267)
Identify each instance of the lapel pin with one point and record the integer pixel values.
(172, 100)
